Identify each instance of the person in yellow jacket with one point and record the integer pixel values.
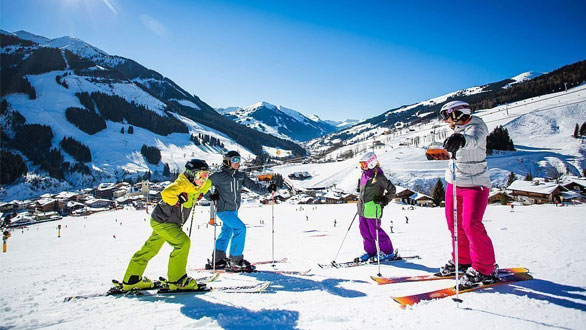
(167, 218)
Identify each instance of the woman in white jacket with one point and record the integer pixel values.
(468, 143)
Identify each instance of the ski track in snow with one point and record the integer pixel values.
(40, 269)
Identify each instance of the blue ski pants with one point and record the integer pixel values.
(233, 231)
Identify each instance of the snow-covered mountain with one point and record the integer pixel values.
(279, 121)
(72, 90)
(522, 86)
(340, 125)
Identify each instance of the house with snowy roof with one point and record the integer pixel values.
(422, 199)
(576, 184)
(537, 191)
(403, 195)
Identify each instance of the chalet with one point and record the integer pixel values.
(9, 207)
(403, 195)
(535, 192)
(66, 196)
(332, 197)
(422, 199)
(100, 203)
(576, 184)
(496, 196)
(49, 204)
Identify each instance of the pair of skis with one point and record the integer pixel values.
(506, 276)
(162, 289)
(349, 264)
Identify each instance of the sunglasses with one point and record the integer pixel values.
(235, 159)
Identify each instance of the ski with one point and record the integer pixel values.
(433, 277)
(116, 290)
(451, 291)
(269, 262)
(222, 270)
(348, 264)
(272, 271)
(259, 287)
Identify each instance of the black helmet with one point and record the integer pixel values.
(193, 166)
(228, 158)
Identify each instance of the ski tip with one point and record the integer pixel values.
(404, 301)
(458, 300)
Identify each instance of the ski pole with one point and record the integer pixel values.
(273, 227)
(455, 208)
(376, 227)
(355, 214)
(213, 223)
(191, 225)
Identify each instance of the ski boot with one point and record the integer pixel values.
(220, 264)
(185, 283)
(386, 257)
(238, 265)
(449, 269)
(473, 278)
(137, 283)
(362, 258)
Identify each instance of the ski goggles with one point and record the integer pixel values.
(364, 165)
(235, 159)
(199, 175)
(202, 175)
(455, 113)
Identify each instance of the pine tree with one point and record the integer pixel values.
(528, 177)
(576, 131)
(511, 179)
(166, 170)
(439, 193)
(583, 129)
(122, 130)
(130, 130)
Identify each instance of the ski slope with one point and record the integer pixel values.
(40, 269)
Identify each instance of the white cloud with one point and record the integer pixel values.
(157, 27)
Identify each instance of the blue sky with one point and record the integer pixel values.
(336, 59)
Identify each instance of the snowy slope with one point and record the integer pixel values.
(541, 129)
(39, 270)
(279, 121)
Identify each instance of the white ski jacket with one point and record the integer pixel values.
(471, 166)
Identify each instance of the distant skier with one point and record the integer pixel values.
(228, 182)
(167, 218)
(375, 192)
(406, 220)
(468, 143)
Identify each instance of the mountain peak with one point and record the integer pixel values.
(260, 105)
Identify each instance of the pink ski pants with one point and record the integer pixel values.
(474, 245)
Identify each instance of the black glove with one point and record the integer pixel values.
(215, 196)
(383, 201)
(272, 187)
(454, 142)
(181, 198)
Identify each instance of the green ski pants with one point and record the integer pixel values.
(162, 232)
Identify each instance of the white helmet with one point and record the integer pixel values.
(368, 161)
(456, 110)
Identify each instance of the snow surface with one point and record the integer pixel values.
(39, 270)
